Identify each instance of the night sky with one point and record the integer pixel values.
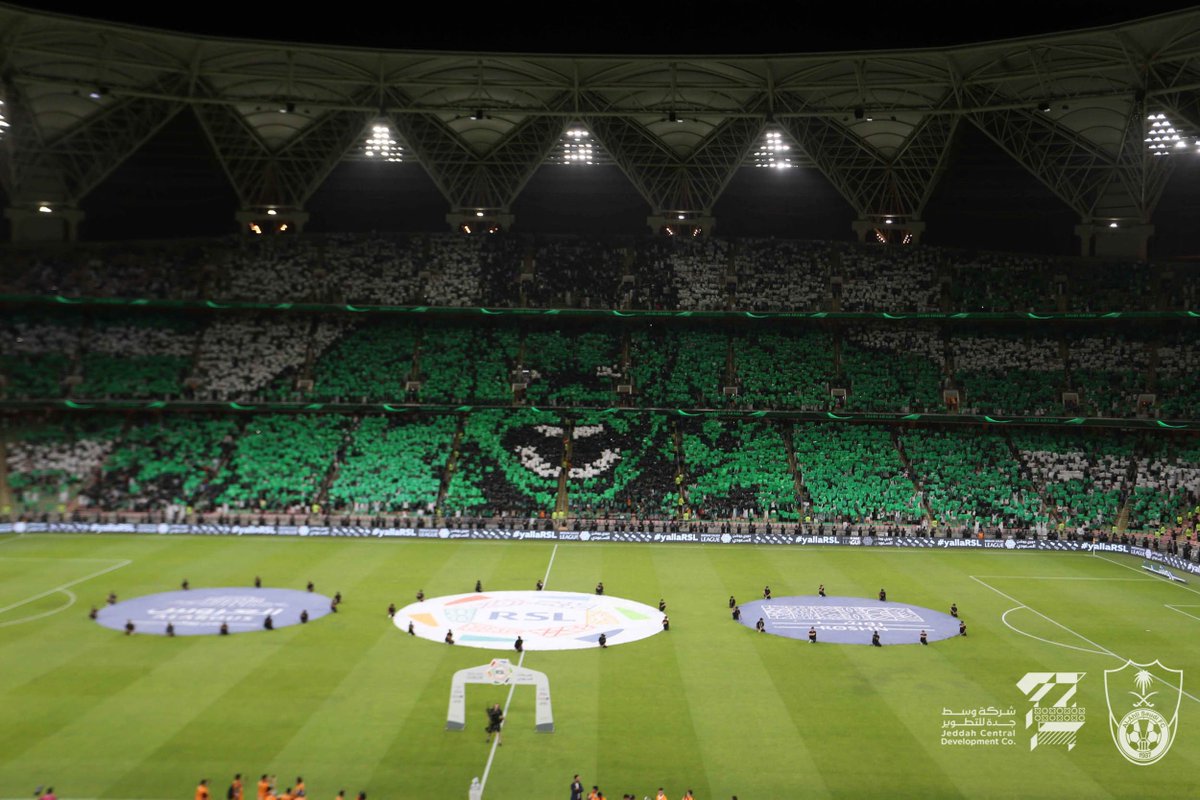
(174, 185)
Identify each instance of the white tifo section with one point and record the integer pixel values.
(545, 620)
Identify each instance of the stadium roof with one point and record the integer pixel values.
(1073, 108)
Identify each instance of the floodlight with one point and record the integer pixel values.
(45, 209)
(271, 212)
(479, 213)
(1112, 225)
(1044, 106)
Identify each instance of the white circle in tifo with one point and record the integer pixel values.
(544, 620)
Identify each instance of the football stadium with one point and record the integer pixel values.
(461, 422)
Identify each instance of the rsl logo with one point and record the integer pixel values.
(1140, 696)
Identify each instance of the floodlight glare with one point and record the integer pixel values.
(45, 209)
(1112, 224)
(271, 212)
(479, 213)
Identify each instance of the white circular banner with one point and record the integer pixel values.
(544, 620)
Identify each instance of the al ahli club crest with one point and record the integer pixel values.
(1143, 709)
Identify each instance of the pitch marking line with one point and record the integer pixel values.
(66, 586)
(12, 539)
(1140, 572)
(1010, 626)
(487, 768)
(1099, 647)
(1181, 611)
(44, 614)
(1059, 578)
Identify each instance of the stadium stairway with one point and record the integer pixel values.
(451, 464)
(802, 494)
(6, 498)
(912, 473)
(335, 467)
(561, 499)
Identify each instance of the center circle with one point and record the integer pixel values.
(543, 620)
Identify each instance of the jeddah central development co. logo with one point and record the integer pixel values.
(543, 620)
(1141, 729)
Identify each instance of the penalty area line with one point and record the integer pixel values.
(487, 768)
(1180, 609)
(1105, 650)
(1143, 573)
(66, 586)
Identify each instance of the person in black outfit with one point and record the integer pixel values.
(954, 609)
(666, 623)
(576, 789)
(257, 582)
(882, 596)
(600, 587)
(495, 721)
(962, 628)
(269, 623)
(603, 640)
(760, 626)
(662, 605)
(540, 584)
(310, 586)
(732, 602)
(411, 632)
(821, 590)
(184, 585)
(766, 593)
(170, 629)
(392, 610)
(303, 616)
(224, 629)
(737, 613)
(479, 586)
(924, 638)
(519, 645)
(93, 613)
(875, 639)
(449, 637)
(812, 635)
(420, 595)
(337, 598)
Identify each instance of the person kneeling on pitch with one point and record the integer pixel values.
(962, 628)
(519, 645)
(924, 638)
(875, 639)
(812, 635)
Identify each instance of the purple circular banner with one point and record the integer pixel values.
(848, 620)
(200, 612)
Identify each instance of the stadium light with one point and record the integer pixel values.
(1162, 137)
(1044, 106)
(381, 144)
(1112, 225)
(575, 148)
(288, 108)
(479, 213)
(478, 114)
(98, 92)
(271, 212)
(45, 209)
(772, 152)
(283, 227)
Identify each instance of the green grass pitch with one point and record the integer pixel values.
(350, 702)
